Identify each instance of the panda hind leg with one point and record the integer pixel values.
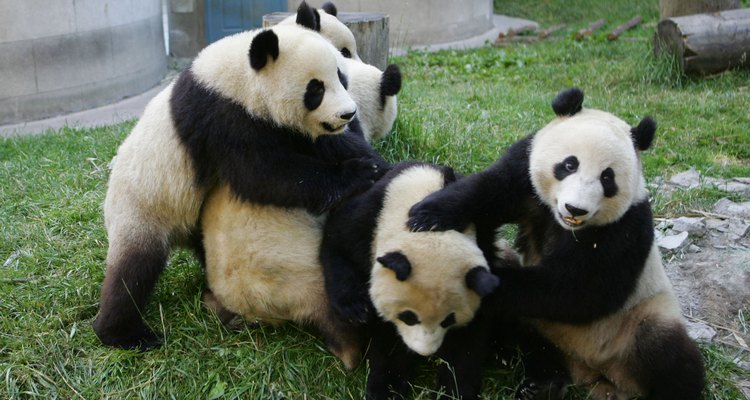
(666, 363)
(344, 340)
(132, 271)
(227, 318)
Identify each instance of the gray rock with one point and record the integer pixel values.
(717, 224)
(699, 331)
(672, 242)
(694, 226)
(688, 179)
(693, 249)
(729, 208)
(738, 227)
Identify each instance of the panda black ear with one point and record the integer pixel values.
(398, 263)
(643, 134)
(329, 8)
(308, 17)
(264, 44)
(568, 102)
(482, 281)
(390, 82)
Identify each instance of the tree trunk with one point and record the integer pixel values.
(706, 43)
(676, 8)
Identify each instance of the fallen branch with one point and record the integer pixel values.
(622, 28)
(516, 32)
(545, 33)
(588, 31)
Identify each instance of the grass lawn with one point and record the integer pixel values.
(459, 108)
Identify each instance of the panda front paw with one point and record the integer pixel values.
(361, 173)
(430, 215)
(353, 308)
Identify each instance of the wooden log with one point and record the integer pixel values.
(677, 8)
(588, 31)
(706, 43)
(623, 27)
(370, 31)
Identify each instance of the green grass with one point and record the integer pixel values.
(459, 108)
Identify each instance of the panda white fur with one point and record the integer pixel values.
(262, 264)
(249, 112)
(375, 92)
(592, 281)
(331, 28)
(409, 288)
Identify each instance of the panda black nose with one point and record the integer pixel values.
(347, 116)
(575, 211)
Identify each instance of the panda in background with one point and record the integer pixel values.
(248, 113)
(592, 281)
(375, 92)
(262, 260)
(331, 28)
(409, 289)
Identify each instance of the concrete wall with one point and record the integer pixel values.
(64, 56)
(187, 31)
(422, 22)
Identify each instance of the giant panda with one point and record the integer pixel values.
(262, 260)
(331, 28)
(248, 112)
(592, 281)
(375, 92)
(408, 288)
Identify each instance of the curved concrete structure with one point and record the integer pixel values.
(58, 57)
(422, 22)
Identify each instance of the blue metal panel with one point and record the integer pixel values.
(227, 17)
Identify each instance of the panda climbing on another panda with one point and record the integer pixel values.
(262, 260)
(248, 113)
(416, 293)
(592, 282)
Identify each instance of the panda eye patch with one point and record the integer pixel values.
(449, 320)
(566, 167)
(314, 94)
(342, 79)
(609, 185)
(346, 53)
(408, 317)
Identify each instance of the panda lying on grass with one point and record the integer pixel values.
(592, 281)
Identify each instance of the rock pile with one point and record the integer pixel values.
(707, 258)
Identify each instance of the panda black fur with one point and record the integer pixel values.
(262, 260)
(592, 281)
(243, 114)
(409, 288)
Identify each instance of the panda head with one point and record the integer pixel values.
(330, 27)
(584, 165)
(427, 283)
(375, 92)
(287, 74)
